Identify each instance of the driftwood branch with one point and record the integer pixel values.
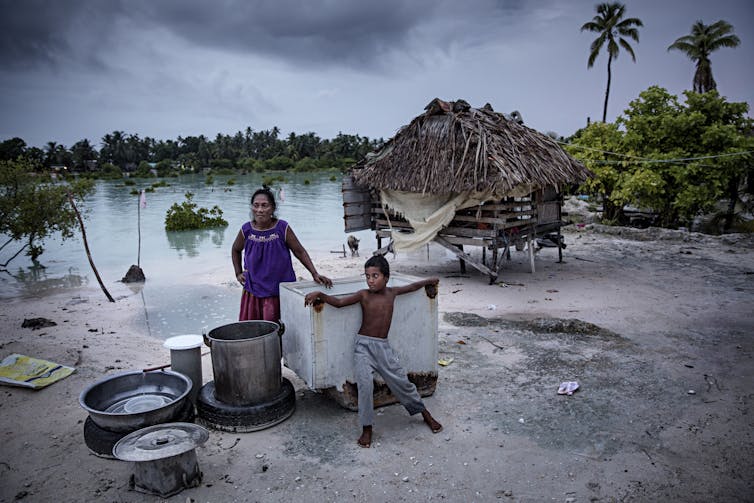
(14, 255)
(86, 247)
(10, 240)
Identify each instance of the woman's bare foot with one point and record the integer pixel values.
(365, 440)
(433, 425)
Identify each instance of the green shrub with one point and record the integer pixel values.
(278, 163)
(270, 180)
(110, 172)
(222, 166)
(144, 170)
(187, 216)
(165, 168)
(305, 164)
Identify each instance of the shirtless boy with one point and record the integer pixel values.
(372, 351)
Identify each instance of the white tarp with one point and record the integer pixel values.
(428, 214)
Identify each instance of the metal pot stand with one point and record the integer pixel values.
(164, 457)
(101, 441)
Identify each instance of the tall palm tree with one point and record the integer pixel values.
(703, 40)
(612, 28)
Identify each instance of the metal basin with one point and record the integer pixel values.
(133, 400)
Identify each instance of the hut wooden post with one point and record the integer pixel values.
(530, 245)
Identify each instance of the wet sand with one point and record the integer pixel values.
(640, 318)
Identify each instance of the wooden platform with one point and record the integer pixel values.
(495, 226)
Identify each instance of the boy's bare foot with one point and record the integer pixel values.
(365, 440)
(433, 425)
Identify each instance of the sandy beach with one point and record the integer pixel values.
(655, 325)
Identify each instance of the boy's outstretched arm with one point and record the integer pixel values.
(317, 297)
(412, 287)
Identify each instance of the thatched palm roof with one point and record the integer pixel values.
(452, 147)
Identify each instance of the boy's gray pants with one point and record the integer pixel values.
(374, 354)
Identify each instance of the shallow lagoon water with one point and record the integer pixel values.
(190, 285)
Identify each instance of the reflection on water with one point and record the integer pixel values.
(189, 276)
(35, 281)
(190, 241)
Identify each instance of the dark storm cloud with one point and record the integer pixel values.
(340, 32)
(37, 32)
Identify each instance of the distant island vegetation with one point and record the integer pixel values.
(248, 151)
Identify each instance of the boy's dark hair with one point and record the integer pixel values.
(380, 263)
(265, 191)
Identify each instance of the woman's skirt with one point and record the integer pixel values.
(259, 308)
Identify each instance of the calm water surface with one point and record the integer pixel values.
(190, 284)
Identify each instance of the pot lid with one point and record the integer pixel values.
(160, 441)
(188, 341)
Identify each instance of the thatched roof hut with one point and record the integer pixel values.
(459, 176)
(454, 148)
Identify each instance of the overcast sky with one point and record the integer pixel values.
(74, 69)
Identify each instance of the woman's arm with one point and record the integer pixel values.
(235, 254)
(298, 250)
(316, 297)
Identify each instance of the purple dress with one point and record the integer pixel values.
(267, 260)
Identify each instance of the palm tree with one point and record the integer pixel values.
(703, 40)
(612, 29)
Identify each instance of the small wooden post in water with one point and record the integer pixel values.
(138, 226)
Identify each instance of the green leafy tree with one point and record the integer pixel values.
(677, 159)
(164, 150)
(164, 168)
(31, 209)
(56, 154)
(703, 40)
(600, 139)
(12, 149)
(188, 216)
(144, 170)
(113, 149)
(82, 153)
(110, 171)
(613, 31)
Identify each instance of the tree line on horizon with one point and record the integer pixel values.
(248, 150)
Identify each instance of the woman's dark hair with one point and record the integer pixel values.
(380, 263)
(265, 191)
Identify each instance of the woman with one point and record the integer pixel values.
(266, 243)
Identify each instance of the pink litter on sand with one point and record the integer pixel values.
(568, 387)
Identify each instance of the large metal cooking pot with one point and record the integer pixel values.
(246, 361)
(133, 400)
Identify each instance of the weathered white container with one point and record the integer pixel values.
(318, 341)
